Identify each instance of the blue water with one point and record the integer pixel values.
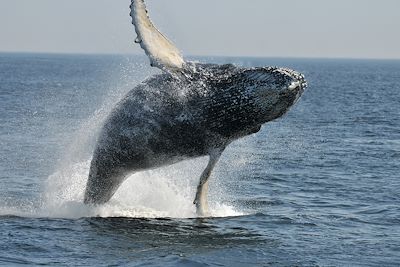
(319, 187)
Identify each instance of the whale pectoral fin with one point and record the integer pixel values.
(162, 52)
(202, 189)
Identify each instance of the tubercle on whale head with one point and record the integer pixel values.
(275, 90)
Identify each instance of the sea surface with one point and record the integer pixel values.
(318, 187)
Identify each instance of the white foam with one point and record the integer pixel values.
(163, 193)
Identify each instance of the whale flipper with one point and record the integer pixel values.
(201, 194)
(162, 52)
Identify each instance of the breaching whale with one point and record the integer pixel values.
(190, 110)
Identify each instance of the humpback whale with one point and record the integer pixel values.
(189, 110)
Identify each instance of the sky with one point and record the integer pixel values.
(259, 28)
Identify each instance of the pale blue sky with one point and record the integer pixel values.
(271, 28)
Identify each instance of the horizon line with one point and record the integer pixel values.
(203, 56)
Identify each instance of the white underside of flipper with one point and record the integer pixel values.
(162, 52)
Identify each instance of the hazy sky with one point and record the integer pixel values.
(272, 28)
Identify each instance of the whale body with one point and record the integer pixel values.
(191, 110)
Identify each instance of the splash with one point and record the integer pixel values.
(162, 193)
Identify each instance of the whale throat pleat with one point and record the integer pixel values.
(162, 52)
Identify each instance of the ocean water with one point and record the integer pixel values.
(319, 187)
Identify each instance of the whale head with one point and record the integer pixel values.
(243, 99)
(275, 90)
